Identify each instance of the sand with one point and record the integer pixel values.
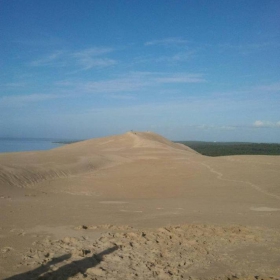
(138, 206)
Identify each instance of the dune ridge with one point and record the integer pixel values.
(23, 169)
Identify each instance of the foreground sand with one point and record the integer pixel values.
(137, 206)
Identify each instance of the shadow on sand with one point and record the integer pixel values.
(66, 271)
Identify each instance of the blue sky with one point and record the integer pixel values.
(189, 70)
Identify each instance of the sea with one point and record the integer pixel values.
(8, 145)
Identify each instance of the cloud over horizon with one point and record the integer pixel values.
(266, 124)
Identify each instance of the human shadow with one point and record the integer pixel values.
(66, 271)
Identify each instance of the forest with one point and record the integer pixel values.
(215, 149)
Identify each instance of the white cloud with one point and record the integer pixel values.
(258, 124)
(167, 42)
(90, 58)
(49, 60)
(181, 78)
(185, 53)
(215, 127)
(93, 52)
(14, 85)
(268, 88)
(248, 48)
(181, 56)
(266, 124)
(21, 100)
(173, 58)
(83, 60)
(115, 85)
(88, 62)
(133, 81)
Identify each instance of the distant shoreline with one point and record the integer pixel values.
(66, 142)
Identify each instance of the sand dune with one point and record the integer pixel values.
(29, 168)
(138, 206)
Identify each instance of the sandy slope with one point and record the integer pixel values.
(138, 206)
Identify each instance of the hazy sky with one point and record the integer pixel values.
(189, 70)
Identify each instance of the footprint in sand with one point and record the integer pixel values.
(5, 197)
(6, 249)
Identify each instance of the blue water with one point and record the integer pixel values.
(8, 145)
